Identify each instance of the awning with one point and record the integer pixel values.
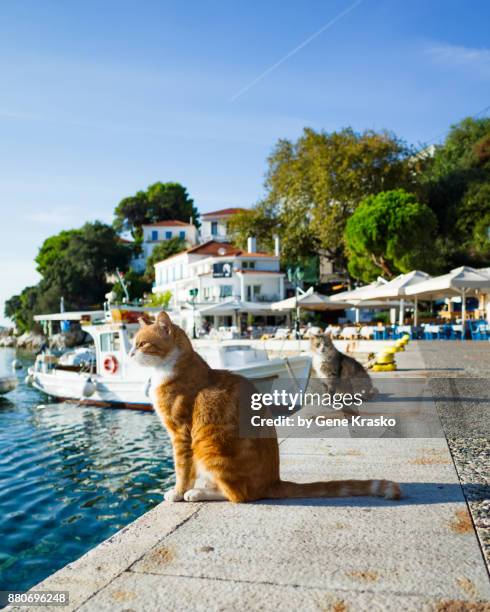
(460, 280)
(356, 295)
(310, 300)
(396, 287)
(71, 316)
(231, 307)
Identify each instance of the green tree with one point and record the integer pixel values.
(160, 202)
(52, 250)
(314, 185)
(456, 185)
(390, 233)
(137, 284)
(162, 251)
(160, 300)
(262, 221)
(20, 308)
(74, 264)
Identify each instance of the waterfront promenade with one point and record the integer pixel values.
(421, 553)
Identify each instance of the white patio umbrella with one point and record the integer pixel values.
(357, 297)
(309, 300)
(233, 307)
(398, 288)
(461, 281)
(483, 271)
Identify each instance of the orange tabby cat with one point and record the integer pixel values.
(199, 407)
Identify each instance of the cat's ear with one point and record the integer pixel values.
(164, 323)
(143, 322)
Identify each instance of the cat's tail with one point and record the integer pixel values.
(335, 488)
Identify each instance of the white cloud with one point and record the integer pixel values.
(458, 56)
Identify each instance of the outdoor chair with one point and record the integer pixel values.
(312, 331)
(456, 332)
(479, 330)
(333, 330)
(433, 332)
(380, 333)
(282, 333)
(401, 330)
(349, 333)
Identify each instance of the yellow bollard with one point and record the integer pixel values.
(385, 361)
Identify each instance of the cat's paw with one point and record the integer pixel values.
(195, 495)
(199, 495)
(172, 496)
(386, 488)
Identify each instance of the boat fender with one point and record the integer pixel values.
(16, 364)
(111, 364)
(29, 379)
(88, 388)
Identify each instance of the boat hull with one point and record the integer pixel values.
(115, 392)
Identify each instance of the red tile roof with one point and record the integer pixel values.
(225, 212)
(222, 249)
(167, 223)
(213, 248)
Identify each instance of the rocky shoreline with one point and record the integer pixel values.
(34, 342)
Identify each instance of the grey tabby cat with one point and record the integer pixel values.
(339, 373)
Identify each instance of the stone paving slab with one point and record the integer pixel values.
(129, 591)
(102, 564)
(405, 549)
(325, 554)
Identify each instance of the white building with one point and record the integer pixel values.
(156, 233)
(214, 225)
(215, 272)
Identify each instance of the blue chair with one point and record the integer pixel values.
(456, 333)
(434, 332)
(401, 330)
(479, 330)
(446, 332)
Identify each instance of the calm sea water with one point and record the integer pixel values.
(70, 477)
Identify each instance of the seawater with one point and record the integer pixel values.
(70, 477)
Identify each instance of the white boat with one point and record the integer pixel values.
(115, 380)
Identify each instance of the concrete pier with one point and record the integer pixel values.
(420, 553)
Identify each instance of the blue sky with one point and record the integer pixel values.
(100, 99)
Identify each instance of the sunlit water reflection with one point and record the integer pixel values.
(70, 477)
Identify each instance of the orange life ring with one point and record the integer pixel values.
(110, 364)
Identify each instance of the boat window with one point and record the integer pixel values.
(109, 343)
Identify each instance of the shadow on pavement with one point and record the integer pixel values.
(414, 493)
